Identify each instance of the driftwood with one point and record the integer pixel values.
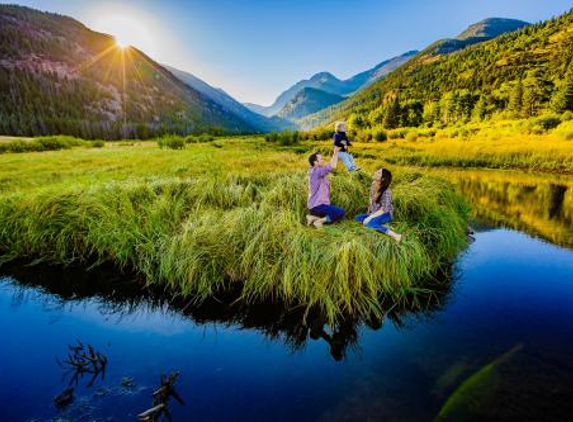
(82, 360)
(64, 398)
(161, 398)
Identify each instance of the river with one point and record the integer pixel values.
(497, 344)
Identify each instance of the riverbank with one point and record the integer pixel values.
(210, 218)
(538, 153)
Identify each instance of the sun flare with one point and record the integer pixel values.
(128, 29)
(121, 43)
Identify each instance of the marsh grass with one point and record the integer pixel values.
(201, 236)
(537, 144)
(46, 143)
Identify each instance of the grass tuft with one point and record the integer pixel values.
(202, 236)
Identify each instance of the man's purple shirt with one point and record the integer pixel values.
(319, 186)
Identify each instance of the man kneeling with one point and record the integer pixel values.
(320, 210)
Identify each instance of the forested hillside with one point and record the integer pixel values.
(59, 77)
(521, 74)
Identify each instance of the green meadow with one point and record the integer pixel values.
(227, 215)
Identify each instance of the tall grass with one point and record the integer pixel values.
(204, 235)
(538, 144)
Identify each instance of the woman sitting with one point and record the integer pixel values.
(380, 208)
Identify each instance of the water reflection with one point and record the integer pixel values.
(118, 297)
(541, 205)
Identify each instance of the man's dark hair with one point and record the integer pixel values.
(313, 158)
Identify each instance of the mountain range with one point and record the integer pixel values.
(330, 84)
(405, 76)
(59, 77)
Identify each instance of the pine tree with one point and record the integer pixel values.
(515, 105)
(481, 108)
(563, 97)
(392, 119)
(431, 113)
(533, 95)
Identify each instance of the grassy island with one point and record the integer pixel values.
(226, 215)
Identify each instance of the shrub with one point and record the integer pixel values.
(289, 138)
(429, 132)
(171, 142)
(362, 136)
(53, 143)
(380, 135)
(398, 133)
(284, 138)
(98, 144)
(271, 137)
(543, 123)
(205, 138)
(412, 136)
(45, 143)
(321, 134)
(568, 115)
(565, 130)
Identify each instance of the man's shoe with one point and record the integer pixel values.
(310, 219)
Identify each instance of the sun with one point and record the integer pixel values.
(121, 43)
(127, 29)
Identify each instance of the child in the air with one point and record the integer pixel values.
(341, 141)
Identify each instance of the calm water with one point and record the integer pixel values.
(497, 344)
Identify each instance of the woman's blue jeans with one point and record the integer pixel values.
(377, 223)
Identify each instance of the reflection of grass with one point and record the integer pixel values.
(470, 398)
(234, 218)
(538, 204)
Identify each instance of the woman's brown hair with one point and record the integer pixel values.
(383, 185)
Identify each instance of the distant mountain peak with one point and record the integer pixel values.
(491, 28)
(323, 76)
(307, 101)
(483, 30)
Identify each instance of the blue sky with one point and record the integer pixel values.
(254, 49)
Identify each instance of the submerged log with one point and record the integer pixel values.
(65, 398)
(152, 413)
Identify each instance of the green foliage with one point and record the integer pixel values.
(398, 133)
(393, 114)
(171, 142)
(46, 143)
(284, 138)
(319, 134)
(565, 130)
(563, 98)
(567, 116)
(544, 123)
(515, 106)
(412, 136)
(380, 135)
